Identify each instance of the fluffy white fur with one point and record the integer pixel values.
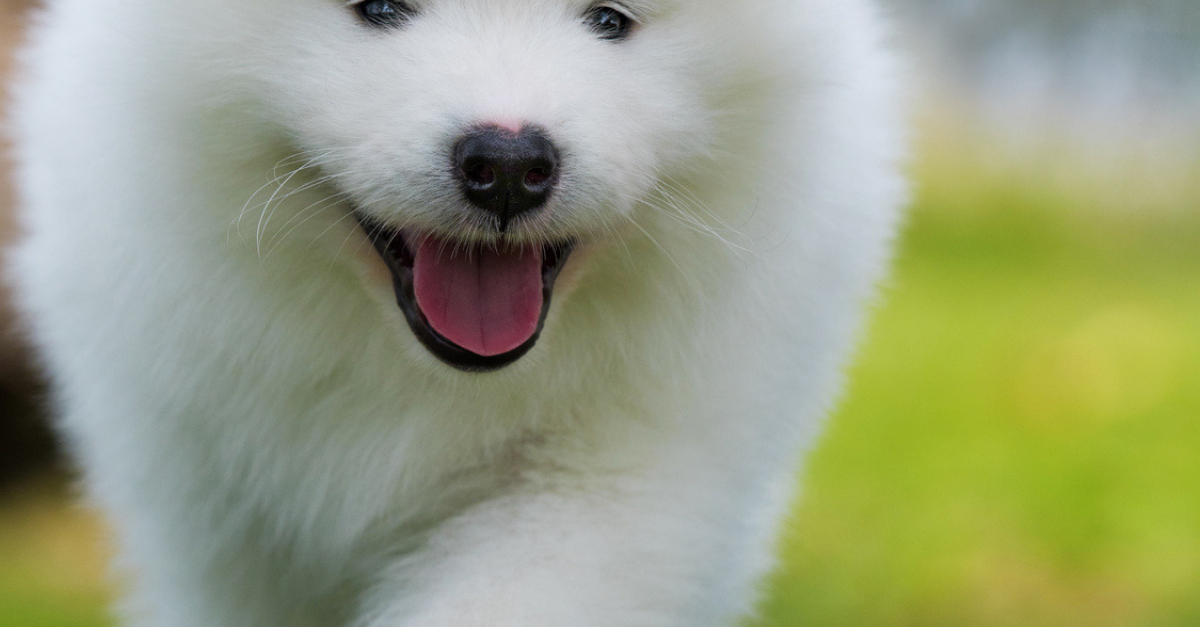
(274, 446)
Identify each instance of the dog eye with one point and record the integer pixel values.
(609, 22)
(384, 13)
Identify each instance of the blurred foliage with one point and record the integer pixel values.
(1020, 446)
(51, 560)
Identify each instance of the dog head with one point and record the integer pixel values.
(479, 143)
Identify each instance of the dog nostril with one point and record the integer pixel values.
(479, 174)
(537, 177)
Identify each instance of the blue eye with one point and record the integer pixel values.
(609, 22)
(384, 13)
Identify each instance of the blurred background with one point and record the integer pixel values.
(1020, 443)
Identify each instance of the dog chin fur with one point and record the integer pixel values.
(269, 440)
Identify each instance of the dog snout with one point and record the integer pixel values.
(507, 173)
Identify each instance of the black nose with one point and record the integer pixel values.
(505, 173)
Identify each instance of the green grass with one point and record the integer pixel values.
(51, 561)
(1020, 445)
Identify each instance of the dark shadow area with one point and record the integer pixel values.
(26, 442)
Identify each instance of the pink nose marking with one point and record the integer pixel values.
(507, 125)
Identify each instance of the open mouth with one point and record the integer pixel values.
(476, 307)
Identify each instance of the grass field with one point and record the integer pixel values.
(1020, 445)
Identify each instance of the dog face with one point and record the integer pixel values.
(479, 142)
(389, 101)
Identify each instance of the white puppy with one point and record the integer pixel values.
(450, 313)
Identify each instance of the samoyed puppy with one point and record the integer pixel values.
(449, 313)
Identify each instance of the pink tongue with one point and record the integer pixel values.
(486, 301)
